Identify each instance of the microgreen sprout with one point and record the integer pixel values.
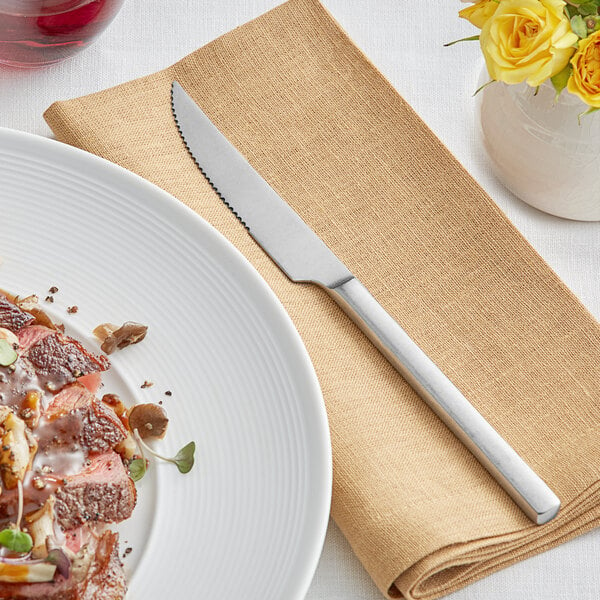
(12, 537)
(20, 496)
(15, 540)
(8, 354)
(183, 460)
(137, 468)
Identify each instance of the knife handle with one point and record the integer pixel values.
(517, 478)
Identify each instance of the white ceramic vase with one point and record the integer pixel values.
(541, 149)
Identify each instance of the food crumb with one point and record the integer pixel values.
(49, 298)
(38, 483)
(168, 393)
(111, 399)
(72, 309)
(53, 290)
(146, 384)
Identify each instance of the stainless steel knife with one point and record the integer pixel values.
(303, 256)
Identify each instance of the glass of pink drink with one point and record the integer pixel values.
(34, 33)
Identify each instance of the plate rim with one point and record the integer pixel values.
(65, 154)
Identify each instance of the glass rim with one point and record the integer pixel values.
(34, 8)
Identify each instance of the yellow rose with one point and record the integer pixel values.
(527, 40)
(479, 12)
(585, 79)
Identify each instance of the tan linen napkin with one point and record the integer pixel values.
(330, 134)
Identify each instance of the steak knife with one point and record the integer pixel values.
(304, 257)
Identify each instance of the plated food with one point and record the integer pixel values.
(242, 383)
(68, 460)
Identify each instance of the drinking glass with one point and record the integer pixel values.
(34, 33)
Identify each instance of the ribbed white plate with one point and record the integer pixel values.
(249, 521)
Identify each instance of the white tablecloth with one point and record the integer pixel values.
(404, 38)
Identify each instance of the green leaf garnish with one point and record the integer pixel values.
(8, 354)
(184, 459)
(15, 540)
(137, 468)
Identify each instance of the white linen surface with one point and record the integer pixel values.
(404, 38)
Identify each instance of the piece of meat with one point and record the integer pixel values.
(12, 317)
(70, 398)
(76, 416)
(102, 492)
(92, 381)
(96, 574)
(28, 336)
(59, 589)
(94, 429)
(105, 578)
(101, 429)
(76, 538)
(64, 358)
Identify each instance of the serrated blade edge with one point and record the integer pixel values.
(284, 236)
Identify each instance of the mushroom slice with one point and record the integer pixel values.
(31, 408)
(17, 450)
(81, 563)
(127, 448)
(41, 526)
(115, 338)
(4, 412)
(31, 305)
(149, 419)
(115, 403)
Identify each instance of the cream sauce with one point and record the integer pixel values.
(58, 454)
(16, 381)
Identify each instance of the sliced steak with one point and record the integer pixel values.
(101, 429)
(75, 416)
(103, 491)
(97, 574)
(63, 358)
(105, 578)
(70, 398)
(59, 589)
(28, 336)
(12, 317)
(77, 538)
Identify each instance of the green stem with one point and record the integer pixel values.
(142, 445)
(483, 86)
(20, 511)
(467, 39)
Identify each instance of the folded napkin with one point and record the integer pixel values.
(331, 135)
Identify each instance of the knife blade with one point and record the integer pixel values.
(304, 257)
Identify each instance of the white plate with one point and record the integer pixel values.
(249, 520)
